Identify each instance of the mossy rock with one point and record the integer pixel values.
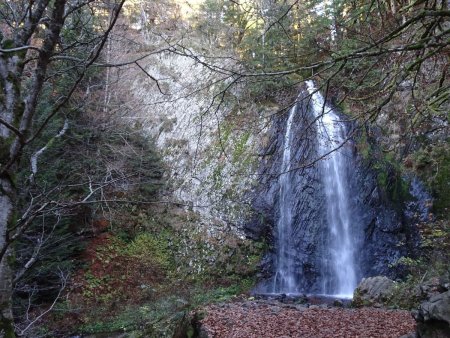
(373, 291)
(433, 166)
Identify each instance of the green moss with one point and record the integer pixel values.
(398, 189)
(217, 176)
(388, 170)
(239, 147)
(363, 144)
(226, 132)
(441, 187)
(432, 163)
(389, 179)
(382, 179)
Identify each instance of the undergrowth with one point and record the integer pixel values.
(158, 265)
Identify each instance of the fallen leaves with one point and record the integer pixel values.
(256, 319)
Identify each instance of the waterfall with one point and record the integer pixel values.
(338, 268)
(284, 280)
(315, 248)
(330, 225)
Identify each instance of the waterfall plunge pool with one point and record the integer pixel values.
(311, 299)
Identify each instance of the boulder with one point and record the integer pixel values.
(433, 317)
(373, 291)
(431, 287)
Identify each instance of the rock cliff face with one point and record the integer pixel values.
(385, 231)
(389, 227)
(212, 150)
(205, 137)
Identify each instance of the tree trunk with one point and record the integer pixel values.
(8, 104)
(19, 97)
(6, 217)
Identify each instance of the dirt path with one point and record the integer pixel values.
(258, 319)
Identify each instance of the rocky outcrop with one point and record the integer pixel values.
(433, 317)
(373, 291)
(386, 229)
(432, 287)
(389, 226)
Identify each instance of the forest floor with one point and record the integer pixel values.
(263, 318)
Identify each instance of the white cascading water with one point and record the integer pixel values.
(284, 279)
(341, 280)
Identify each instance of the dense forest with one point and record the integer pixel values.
(151, 151)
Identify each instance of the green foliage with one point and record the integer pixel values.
(222, 23)
(436, 245)
(426, 269)
(221, 294)
(7, 328)
(160, 318)
(158, 272)
(127, 320)
(149, 248)
(405, 295)
(268, 37)
(99, 288)
(163, 315)
(268, 88)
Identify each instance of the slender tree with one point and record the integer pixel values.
(34, 50)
